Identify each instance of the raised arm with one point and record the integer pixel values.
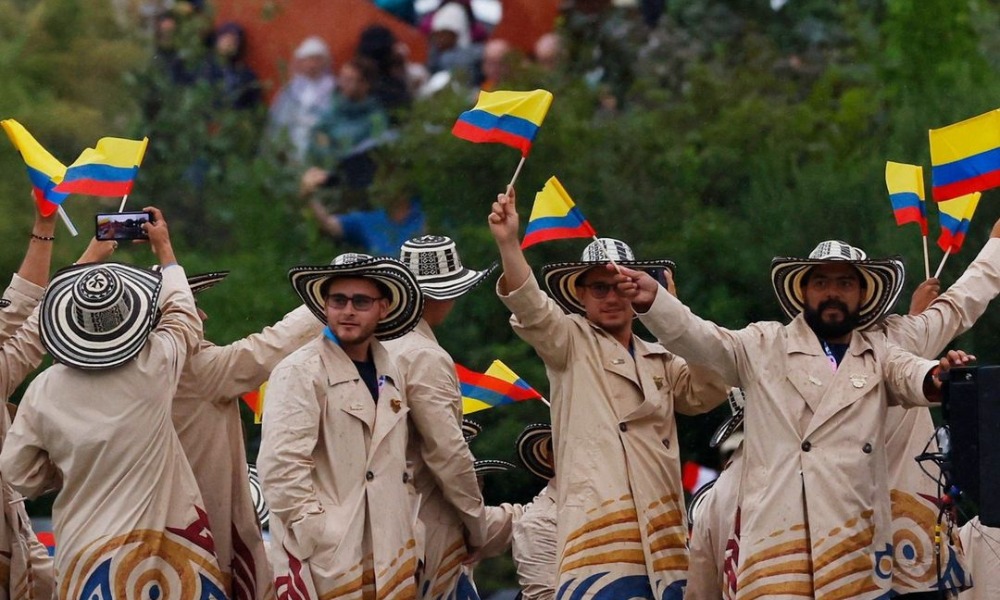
(505, 225)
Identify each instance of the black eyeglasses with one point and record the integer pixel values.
(360, 301)
(598, 290)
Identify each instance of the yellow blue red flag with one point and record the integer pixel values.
(511, 118)
(498, 385)
(956, 215)
(554, 216)
(109, 169)
(965, 156)
(44, 170)
(906, 192)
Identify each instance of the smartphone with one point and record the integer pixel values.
(121, 226)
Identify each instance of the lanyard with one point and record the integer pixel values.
(829, 355)
(328, 334)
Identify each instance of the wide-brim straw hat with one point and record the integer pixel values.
(489, 465)
(257, 496)
(98, 316)
(560, 278)
(201, 281)
(534, 449)
(695, 505)
(882, 279)
(737, 405)
(406, 302)
(435, 261)
(470, 429)
(4, 303)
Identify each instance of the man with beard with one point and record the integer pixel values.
(813, 516)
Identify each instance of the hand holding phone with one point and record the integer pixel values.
(122, 226)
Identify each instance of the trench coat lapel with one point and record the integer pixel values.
(391, 408)
(342, 372)
(808, 369)
(649, 383)
(854, 379)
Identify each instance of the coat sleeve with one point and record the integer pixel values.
(24, 463)
(179, 327)
(23, 297)
(539, 321)
(435, 399)
(955, 311)
(225, 372)
(290, 431)
(499, 528)
(535, 548)
(699, 341)
(904, 374)
(696, 389)
(20, 355)
(704, 571)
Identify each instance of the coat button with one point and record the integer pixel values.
(622, 426)
(369, 475)
(406, 477)
(806, 446)
(867, 448)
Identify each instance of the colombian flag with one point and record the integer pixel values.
(498, 385)
(554, 216)
(44, 170)
(955, 218)
(906, 192)
(511, 118)
(107, 170)
(255, 400)
(966, 156)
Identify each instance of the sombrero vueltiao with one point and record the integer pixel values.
(470, 429)
(257, 496)
(882, 279)
(560, 278)
(434, 260)
(737, 404)
(534, 448)
(4, 303)
(488, 465)
(202, 281)
(406, 302)
(98, 316)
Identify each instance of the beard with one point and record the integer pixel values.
(827, 330)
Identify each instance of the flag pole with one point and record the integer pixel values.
(546, 402)
(69, 224)
(121, 207)
(611, 260)
(517, 171)
(941, 266)
(927, 264)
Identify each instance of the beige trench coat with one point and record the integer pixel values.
(332, 465)
(451, 505)
(814, 443)
(622, 523)
(25, 565)
(206, 415)
(128, 517)
(982, 547)
(710, 532)
(535, 549)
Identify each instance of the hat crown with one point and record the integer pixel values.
(837, 250)
(431, 256)
(603, 250)
(737, 400)
(99, 300)
(350, 258)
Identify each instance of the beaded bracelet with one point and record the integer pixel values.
(44, 238)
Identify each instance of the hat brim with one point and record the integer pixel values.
(696, 500)
(488, 465)
(453, 285)
(68, 343)
(534, 449)
(257, 496)
(204, 281)
(4, 303)
(406, 302)
(883, 280)
(470, 429)
(560, 278)
(734, 422)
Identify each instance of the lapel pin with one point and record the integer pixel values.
(815, 380)
(859, 381)
(395, 404)
(618, 361)
(658, 381)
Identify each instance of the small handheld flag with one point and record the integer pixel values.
(109, 169)
(955, 215)
(555, 216)
(966, 156)
(498, 385)
(511, 118)
(44, 170)
(906, 192)
(255, 400)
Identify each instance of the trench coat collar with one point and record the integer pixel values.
(424, 329)
(615, 359)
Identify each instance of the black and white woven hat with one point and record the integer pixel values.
(486, 466)
(257, 496)
(560, 278)
(470, 429)
(201, 281)
(434, 260)
(98, 316)
(737, 405)
(406, 302)
(882, 278)
(534, 449)
(4, 303)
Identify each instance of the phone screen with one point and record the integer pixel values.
(121, 226)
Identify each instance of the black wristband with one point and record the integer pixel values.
(44, 238)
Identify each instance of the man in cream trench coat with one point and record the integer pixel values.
(332, 460)
(813, 517)
(621, 521)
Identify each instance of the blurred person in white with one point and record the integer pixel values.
(305, 98)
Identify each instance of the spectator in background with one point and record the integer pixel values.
(340, 143)
(227, 69)
(305, 98)
(549, 51)
(401, 9)
(389, 86)
(496, 64)
(451, 45)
